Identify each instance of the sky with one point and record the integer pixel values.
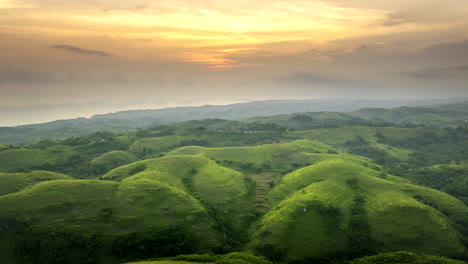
(64, 59)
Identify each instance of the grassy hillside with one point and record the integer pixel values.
(326, 193)
(271, 157)
(14, 159)
(216, 186)
(15, 182)
(159, 192)
(110, 160)
(354, 211)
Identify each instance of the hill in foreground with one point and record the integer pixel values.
(311, 205)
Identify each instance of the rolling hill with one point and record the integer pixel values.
(294, 188)
(306, 198)
(134, 119)
(443, 116)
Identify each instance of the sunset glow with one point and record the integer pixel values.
(313, 48)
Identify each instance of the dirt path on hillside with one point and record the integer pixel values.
(265, 181)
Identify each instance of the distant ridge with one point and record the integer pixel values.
(133, 119)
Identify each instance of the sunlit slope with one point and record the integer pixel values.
(318, 203)
(272, 157)
(189, 173)
(340, 207)
(323, 209)
(15, 182)
(109, 207)
(190, 191)
(58, 201)
(222, 192)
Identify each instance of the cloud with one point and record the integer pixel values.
(398, 18)
(6, 4)
(451, 51)
(22, 76)
(311, 78)
(439, 73)
(78, 50)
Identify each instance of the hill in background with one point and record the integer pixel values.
(125, 120)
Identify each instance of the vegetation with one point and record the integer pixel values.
(300, 188)
(401, 257)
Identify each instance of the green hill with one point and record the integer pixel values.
(443, 116)
(309, 120)
(338, 207)
(15, 182)
(111, 160)
(320, 194)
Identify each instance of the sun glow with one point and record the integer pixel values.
(7, 4)
(212, 32)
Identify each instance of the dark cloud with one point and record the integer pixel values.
(398, 18)
(78, 50)
(308, 78)
(448, 51)
(22, 76)
(311, 78)
(439, 73)
(360, 48)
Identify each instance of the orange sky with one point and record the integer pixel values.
(258, 47)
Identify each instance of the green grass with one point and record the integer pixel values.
(404, 257)
(396, 219)
(15, 182)
(14, 159)
(277, 157)
(308, 196)
(191, 191)
(338, 136)
(111, 160)
(205, 181)
(58, 201)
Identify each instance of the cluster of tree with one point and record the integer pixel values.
(166, 242)
(49, 245)
(451, 179)
(359, 146)
(64, 245)
(433, 147)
